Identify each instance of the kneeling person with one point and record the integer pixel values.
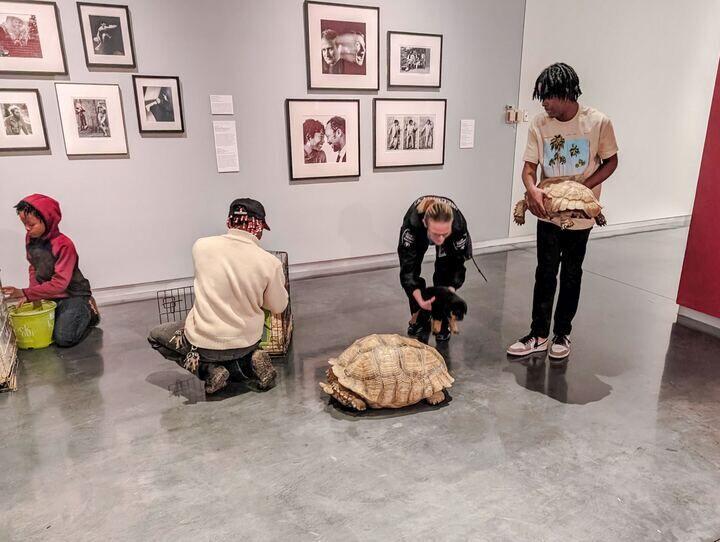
(235, 279)
(436, 220)
(54, 272)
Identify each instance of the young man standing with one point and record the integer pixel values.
(569, 141)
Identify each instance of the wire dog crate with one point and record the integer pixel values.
(8, 350)
(175, 303)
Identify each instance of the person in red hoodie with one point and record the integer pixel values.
(54, 271)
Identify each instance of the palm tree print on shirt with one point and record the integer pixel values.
(565, 157)
(574, 151)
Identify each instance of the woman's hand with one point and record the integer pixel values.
(425, 305)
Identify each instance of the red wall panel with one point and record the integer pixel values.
(700, 281)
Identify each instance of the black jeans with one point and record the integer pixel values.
(236, 360)
(564, 249)
(72, 319)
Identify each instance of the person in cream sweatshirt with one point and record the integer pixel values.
(235, 281)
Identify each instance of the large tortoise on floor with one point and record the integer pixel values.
(565, 200)
(387, 371)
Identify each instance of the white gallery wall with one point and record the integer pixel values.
(650, 66)
(135, 219)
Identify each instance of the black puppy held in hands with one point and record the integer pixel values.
(447, 307)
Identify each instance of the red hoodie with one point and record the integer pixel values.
(54, 272)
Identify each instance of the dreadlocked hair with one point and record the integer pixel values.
(28, 209)
(436, 210)
(557, 81)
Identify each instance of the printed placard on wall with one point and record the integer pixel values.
(92, 118)
(107, 35)
(342, 46)
(23, 126)
(158, 104)
(409, 132)
(414, 60)
(30, 38)
(323, 138)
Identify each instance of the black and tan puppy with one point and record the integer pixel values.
(448, 306)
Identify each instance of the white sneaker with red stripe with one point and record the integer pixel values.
(528, 345)
(560, 348)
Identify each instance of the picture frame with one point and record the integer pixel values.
(92, 118)
(158, 103)
(107, 35)
(414, 60)
(323, 138)
(23, 127)
(31, 40)
(342, 46)
(409, 132)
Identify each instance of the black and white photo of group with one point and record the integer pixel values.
(107, 35)
(91, 116)
(410, 132)
(324, 139)
(342, 46)
(158, 104)
(16, 119)
(415, 59)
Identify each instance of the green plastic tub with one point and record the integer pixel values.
(267, 331)
(33, 324)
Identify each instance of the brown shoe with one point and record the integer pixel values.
(263, 369)
(217, 379)
(94, 312)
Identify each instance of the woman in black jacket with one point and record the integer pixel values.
(436, 220)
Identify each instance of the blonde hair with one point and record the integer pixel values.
(436, 210)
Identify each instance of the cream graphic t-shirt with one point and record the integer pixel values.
(571, 149)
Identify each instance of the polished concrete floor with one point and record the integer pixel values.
(109, 441)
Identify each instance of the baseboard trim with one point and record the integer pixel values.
(699, 321)
(138, 292)
(114, 295)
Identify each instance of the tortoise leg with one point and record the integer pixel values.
(519, 212)
(436, 398)
(341, 394)
(600, 220)
(566, 222)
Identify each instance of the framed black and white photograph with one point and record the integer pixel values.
(107, 35)
(323, 138)
(414, 60)
(158, 104)
(31, 38)
(92, 118)
(409, 132)
(23, 127)
(342, 45)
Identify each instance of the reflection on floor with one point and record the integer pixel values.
(110, 441)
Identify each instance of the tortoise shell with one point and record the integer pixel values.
(390, 371)
(570, 196)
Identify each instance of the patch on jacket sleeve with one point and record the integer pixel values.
(461, 243)
(408, 238)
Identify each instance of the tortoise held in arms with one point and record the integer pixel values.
(387, 371)
(565, 200)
